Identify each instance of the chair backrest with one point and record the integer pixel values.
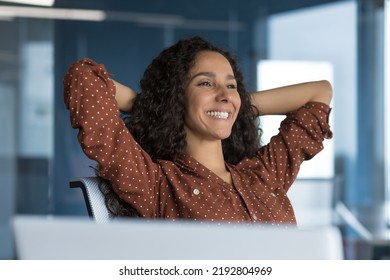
(94, 198)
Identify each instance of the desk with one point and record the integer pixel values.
(371, 224)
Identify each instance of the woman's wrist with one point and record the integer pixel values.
(124, 96)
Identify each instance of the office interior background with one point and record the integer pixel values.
(277, 43)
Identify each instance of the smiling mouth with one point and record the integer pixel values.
(218, 115)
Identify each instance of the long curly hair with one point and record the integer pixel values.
(159, 111)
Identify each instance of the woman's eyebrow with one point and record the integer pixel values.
(207, 74)
(212, 75)
(230, 77)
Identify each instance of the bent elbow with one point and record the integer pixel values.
(325, 92)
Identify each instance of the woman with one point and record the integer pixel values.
(189, 148)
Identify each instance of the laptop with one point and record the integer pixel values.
(43, 238)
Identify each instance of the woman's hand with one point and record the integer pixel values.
(124, 97)
(280, 101)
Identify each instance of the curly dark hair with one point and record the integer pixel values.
(159, 112)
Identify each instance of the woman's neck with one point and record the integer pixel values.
(210, 154)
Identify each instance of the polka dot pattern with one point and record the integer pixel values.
(185, 189)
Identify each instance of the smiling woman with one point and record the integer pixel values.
(212, 103)
(161, 111)
(189, 147)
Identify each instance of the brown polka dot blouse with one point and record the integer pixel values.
(185, 189)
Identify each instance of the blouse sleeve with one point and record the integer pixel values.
(300, 138)
(89, 95)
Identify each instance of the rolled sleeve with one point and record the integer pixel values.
(300, 138)
(89, 94)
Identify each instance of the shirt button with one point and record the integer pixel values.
(196, 192)
(254, 217)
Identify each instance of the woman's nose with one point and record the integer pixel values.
(223, 95)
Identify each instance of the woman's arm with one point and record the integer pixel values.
(90, 95)
(279, 101)
(124, 96)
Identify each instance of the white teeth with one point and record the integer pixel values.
(218, 115)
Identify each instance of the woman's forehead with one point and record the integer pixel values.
(210, 62)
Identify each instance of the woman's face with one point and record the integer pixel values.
(211, 98)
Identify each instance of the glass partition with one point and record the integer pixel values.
(27, 119)
(387, 105)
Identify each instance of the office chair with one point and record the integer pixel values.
(94, 198)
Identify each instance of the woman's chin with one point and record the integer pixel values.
(221, 135)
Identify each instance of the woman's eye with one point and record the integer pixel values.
(232, 86)
(205, 84)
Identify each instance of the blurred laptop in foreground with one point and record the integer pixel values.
(38, 237)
